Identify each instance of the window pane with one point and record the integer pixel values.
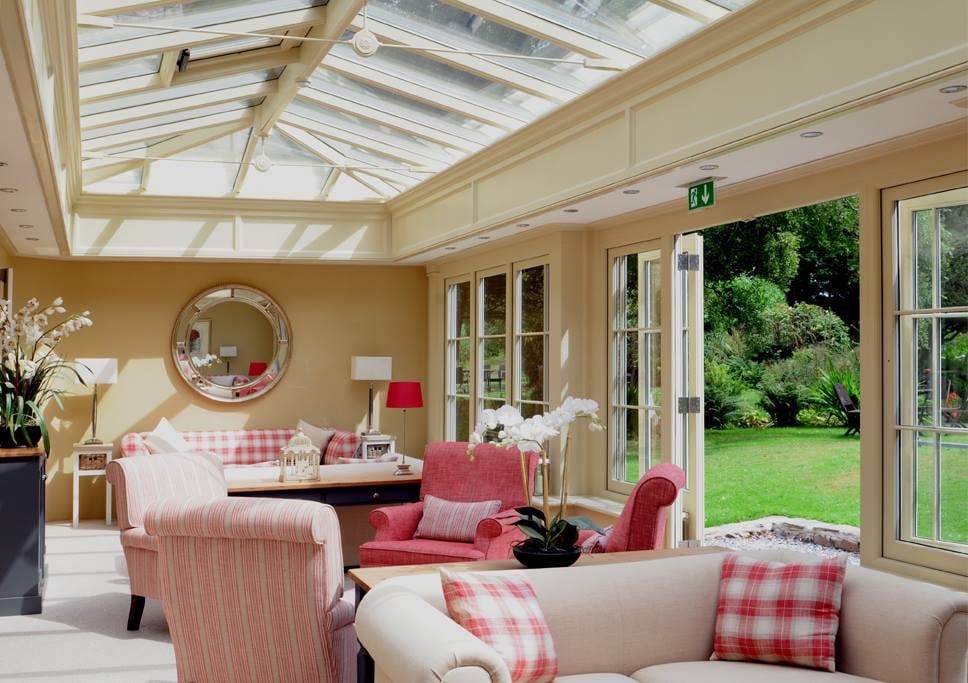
(923, 257)
(494, 305)
(533, 318)
(463, 304)
(532, 368)
(631, 445)
(924, 483)
(462, 418)
(638, 443)
(462, 373)
(629, 274)
(492, 403)
(954, 372)
(925, 371)
(113, 71)
(493, 369)
(954, 488)
(532, 409)
(642, 350)
(953, 224)
(641, 279)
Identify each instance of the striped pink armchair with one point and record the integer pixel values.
(493, 474)
(139, 482)
(253, 590)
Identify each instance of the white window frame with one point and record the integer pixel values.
(898, 519)
(617, 331)
(452, 345)
(519, 335)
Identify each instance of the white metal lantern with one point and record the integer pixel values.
(299, 459)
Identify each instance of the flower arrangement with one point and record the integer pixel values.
(203, 361)
(31, 368)
(506, 427)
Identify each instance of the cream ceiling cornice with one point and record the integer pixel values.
(740, 34)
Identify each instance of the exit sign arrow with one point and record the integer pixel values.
(702, 195)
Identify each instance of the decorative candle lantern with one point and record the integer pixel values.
(299, 460)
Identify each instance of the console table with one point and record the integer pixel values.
(351, 484)
(23, 475)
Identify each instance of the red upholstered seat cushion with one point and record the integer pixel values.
(779, 613)
(503, 611)
(417, 551)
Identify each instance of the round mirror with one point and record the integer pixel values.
(231, 343)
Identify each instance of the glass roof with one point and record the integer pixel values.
(194, 110)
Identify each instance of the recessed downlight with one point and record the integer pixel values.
(9, 190)
(450, 248)
(631, 191)
(32, 239)
(951, 89)
(524, 225)
(483, 237)
(811, 134)
(571, 210)
(19, 210)
(26, 226)
(709, 167)
(3, 163)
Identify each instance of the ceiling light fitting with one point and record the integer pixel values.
(32, 239)
(633, 191)
(450, 248)
(483, 237)
(26, 226)
(570, 210)
(262, 162)
(3, 163)
(811, 134)
(709, 167)
(524, 225)
(951, 89)
(8, 190)
(19, 210)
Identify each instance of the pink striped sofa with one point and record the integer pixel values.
(139, 482)
(493, 474)
(253, 590)
(243, 447)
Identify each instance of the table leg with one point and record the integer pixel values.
(107, 502)
(75, 509)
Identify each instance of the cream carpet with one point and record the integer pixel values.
(81, 635)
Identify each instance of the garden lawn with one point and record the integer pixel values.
(811, 472)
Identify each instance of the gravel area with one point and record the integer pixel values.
(786, 533)
(767, 540)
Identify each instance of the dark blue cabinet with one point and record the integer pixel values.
(22, 570)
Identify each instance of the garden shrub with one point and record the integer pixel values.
(722, 399)
(788, 328)
(786, 388)
(751, 418)
(739, 303)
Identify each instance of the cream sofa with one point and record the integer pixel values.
(653, 622)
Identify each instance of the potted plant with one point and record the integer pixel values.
(550, 541)
(30, 372)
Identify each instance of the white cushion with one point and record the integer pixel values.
(738, 672)
(595, 678)
(320, 436)
(166, 439)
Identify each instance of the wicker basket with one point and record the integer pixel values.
(93, 461)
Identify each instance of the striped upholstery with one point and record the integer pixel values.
(253, 590)
(493, 474)
(138, 482)
(247, 446)
(449, 521)
(643, 521)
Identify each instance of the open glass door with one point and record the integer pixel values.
(689, 380)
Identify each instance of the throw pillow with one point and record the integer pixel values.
(779, 613)
(596, 542)
(503, 611)
(166, 439)
(445, 520)
(320, 436)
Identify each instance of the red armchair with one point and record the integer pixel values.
(493, 474)
(642, 523)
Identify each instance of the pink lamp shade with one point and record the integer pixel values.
(404, 395)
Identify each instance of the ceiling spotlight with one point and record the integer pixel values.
(483, 237)
(450, 248)
(8, 190)
(262, 162)
(365, 43)
(570, 210)
(524, 225)
(3, 163)
(32, 239)
(26, 226)
(811, 134)
(950, 89)
(19, 210)
(633, 191)
(709, 167)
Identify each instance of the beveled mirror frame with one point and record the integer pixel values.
(195, 311)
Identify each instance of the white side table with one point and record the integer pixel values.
(87, 449)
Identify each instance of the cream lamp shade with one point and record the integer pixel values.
(97, 370)
(228, 351)
(371, 368)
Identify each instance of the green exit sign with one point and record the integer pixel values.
(702, 195)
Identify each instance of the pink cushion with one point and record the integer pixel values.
(779, 613)
(503, 611)
(446, 520)
(416, 551)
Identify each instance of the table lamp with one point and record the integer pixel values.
(370, 369)
(404, 395)
(95, 371)
(228, 353)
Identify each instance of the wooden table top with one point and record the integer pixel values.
(35, 452)
(330, 477)
(367, 577)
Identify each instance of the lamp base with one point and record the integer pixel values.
(403, 469)
(93, 442)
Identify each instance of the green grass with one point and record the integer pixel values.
(811, 472)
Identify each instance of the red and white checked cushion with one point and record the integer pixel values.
(779, 613)
(503, 611)
(446, 520)
(341, 445)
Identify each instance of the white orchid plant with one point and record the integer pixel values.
(30, 369)
(506, 427)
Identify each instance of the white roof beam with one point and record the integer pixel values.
(109, 7)
(485, 68)
(405, 156)
(144, 111)
(339, 14)
(382, 117)
(330, 182)
(532, 24)
(415, 91)
(169, 63)
(167, 130)
(105, 168)
(701, 10)
(177, 40)
(201, 70)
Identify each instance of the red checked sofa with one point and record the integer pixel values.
(247, 447)
(448, 473)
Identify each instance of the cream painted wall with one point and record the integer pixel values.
(335, 311)
(579, 290)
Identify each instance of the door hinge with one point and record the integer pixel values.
(688, 262)
(689, 405)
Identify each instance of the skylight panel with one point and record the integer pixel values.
(149, 122)
(115, 71)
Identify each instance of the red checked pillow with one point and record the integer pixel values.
(503, 611)
(445, 520)
(779, 613)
